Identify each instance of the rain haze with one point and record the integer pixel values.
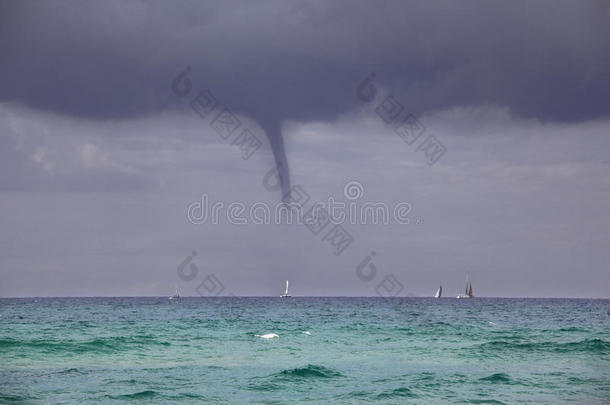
(483, 126)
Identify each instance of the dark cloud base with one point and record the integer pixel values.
(302, 60)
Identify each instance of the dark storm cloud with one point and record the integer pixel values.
(298, 60)
(284, 60)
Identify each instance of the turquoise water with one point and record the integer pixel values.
(358, 350)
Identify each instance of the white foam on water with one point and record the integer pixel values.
(307, 332)
(268, 336)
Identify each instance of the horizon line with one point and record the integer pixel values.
(294, 296)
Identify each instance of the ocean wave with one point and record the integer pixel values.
(572, 329)
(498, 378)
(265, 387)
(593, 346)
(14, 399)
(309, 371)
(358, 395)
(72, 370)
(402, 392)
(147, 394)
(104, 345)
(310, 374)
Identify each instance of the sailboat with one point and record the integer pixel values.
(286, 293)
(469, 293)
(439, 292)
(176, 295)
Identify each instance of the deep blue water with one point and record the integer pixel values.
(357, 350)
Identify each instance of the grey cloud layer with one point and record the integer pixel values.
(54, 152)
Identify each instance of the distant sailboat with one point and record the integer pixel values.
(469, 293)
(439, 292)
(176, 295)
(286, 294)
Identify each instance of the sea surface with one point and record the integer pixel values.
(327, 350)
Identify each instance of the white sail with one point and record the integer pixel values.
(286, 294)
(439, 292)
(176, 295)
(468, 292)
(469, 286)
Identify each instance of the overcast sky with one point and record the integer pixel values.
(101, 152)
